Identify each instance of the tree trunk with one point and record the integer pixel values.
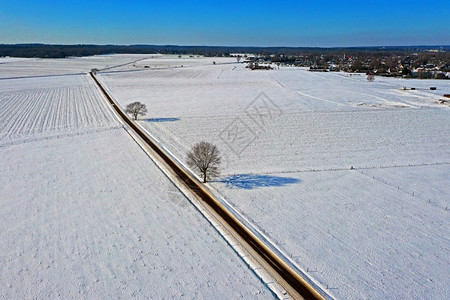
(204, 177)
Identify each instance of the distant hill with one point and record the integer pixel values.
(61, 51)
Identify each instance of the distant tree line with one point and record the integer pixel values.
(276, 54)
(61, 51)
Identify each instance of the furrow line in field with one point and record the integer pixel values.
(56, 109)
(97, 114)
(15, 114)
(75, 115)
(60, 111)
(64, 119)
(33, 116)
(50, 112)
(105, 114)
(82, 110)
(92, 105)
(38, 110)
(6, 113)
(88, 106)
(23, 113)
(68, 111)
(45, 121)
(5, 105)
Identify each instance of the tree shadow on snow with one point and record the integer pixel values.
(250, 181)
(158, 120)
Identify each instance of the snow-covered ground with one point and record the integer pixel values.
(349, 177)
(315, 140)
(11, 67)
(31, 110)
(85, 213)
(363, 237)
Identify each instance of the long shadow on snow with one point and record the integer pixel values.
(158, 120)
(250, 181)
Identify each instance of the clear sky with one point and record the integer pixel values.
(323, 23)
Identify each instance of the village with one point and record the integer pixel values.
(429, 64)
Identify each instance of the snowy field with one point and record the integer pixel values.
(349, 177)
(316, 140)
(12, 67)
(63, 105)
(85, 213)
(363, 237)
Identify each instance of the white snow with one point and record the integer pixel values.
(360, 236)
(27, 67)
(316, 140)
(349, 177)
(63, 105)
(85, 213)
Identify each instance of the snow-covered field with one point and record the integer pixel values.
(349, 177)
(63, 105)
(363, 237)
(28, 67)
(85, 213)
(315, 140)
(11, 67)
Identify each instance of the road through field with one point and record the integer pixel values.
(356, 186)
(297, 284)
(85, 213)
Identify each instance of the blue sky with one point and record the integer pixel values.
(229, 23)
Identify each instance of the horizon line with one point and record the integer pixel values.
(226, 46)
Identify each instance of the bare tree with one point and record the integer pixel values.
(205, 158)
(136, 109)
